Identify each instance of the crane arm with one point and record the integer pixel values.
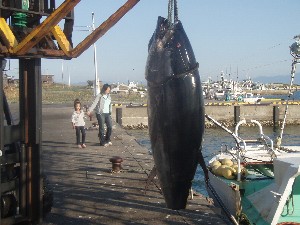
(103, 28)
(45, 27)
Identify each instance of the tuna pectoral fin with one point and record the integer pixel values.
(203, 165)
(150, 178)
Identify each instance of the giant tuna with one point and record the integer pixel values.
(175, 110)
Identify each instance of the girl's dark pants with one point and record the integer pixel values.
(104, 118)
(78, 130)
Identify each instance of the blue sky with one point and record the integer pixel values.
(226, 35)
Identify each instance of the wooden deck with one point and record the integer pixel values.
(87, 192)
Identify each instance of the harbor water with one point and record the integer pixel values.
(216, 139)
(295, 96)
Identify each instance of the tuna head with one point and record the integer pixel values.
(169, 52)
(175, 110)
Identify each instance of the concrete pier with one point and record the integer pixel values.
(227, 112)
(87, 192)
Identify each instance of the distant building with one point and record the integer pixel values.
(132, 84)
(47, 79)
(7, 80)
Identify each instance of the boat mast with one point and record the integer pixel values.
(295, 52)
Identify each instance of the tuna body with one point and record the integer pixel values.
(175, 110)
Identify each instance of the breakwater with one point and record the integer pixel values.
(228, 113)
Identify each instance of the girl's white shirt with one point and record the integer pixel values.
(78, 118)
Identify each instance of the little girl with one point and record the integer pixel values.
(78, 123)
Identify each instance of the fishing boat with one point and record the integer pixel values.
(257, 181)
(251, 98)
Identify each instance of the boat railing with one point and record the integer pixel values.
(271, 145)
(262, 142)
(243, 121)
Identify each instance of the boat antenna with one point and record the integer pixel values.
(295, 52)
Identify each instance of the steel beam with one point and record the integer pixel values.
(45, 27)
(61, 39)
(25, 48)
(1, 118)
(7, 35)
(31, 106)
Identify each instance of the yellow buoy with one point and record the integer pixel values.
(215, 163)
(228, 173)
(227, 162)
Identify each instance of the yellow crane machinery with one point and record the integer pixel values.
(24, 37)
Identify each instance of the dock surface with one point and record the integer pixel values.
(87, 192)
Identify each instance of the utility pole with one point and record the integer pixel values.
(62, 73)
(69, 77)
(96, 82)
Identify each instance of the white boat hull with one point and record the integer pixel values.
(269, 200)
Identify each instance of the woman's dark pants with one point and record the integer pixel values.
(104, 118)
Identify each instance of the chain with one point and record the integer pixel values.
(172, 6)
(170, 11)
(175, 11)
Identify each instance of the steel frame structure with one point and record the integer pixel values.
(20, 144)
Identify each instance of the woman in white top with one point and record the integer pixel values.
(103, 108)
(78, 124)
